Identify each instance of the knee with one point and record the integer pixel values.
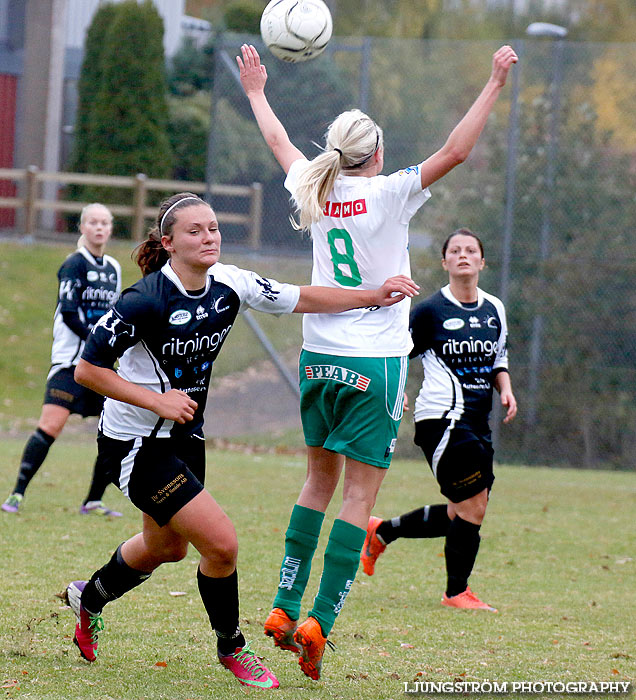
(225, 552)
(473, 511)
(173, 552)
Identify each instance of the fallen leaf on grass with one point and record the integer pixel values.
(161, 664)
(176, 594)
(404, 645)
(10, 684)
(615, 671)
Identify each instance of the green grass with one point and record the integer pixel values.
(556, 559)
(28, 293)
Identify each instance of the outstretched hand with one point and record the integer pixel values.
(395, 289)
(502, 60)
(252, 72)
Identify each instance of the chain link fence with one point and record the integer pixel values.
(550, 188)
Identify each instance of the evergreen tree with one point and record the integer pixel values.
(243, 16)
(128, 122)
(87, 86)
(89, 81)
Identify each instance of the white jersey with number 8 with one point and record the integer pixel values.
(362, 240)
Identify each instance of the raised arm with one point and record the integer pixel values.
(174, 405)
(331, 300)
(253, 78)
(464, 136)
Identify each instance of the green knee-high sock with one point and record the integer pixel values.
(301, 539)
(342, 558)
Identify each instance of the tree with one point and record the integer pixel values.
(128, 122)
(87, 87)
(189, 127)
(243, 16)
(89, 81)
(191, 68)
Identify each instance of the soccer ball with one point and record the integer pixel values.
(296, 30)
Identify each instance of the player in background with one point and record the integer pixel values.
(460, 334)
(89, 283)
(353, 366)
(166, 331)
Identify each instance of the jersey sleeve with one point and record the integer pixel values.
(403, 194)
(420, 326)
(120, 328)
(256, 292)
(72, 279)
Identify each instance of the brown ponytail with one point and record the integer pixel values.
(150, 254)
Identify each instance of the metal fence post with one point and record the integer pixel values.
(139, 203)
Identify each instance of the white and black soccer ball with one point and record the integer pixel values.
(296, 30)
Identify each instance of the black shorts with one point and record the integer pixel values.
(63, 390)
(159, 475)
(460, 456)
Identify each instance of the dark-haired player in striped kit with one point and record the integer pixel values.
(167, 330)
(89, 283)
(461, 335)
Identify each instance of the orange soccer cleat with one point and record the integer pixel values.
(372, 547)
(281, 627)
(466, 601)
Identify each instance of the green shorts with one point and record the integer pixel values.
(353, 405)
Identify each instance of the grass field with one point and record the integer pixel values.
(557, 559)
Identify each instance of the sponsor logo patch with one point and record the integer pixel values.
(343, 210)
(338, 374)
(453, 324)
(179, 317)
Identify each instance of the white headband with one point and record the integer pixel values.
(172, 206)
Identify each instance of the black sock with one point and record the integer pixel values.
(99, 482)
(221, 601)
(35, 451)
(428, 521)
(111, 582)
(462, 545)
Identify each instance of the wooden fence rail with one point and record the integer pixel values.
(32, 203)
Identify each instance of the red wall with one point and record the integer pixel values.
(8, 90)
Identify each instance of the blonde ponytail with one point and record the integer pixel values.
(352, 140)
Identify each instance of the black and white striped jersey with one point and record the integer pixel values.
(168, 338)
(462, 347)
(88, 287)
